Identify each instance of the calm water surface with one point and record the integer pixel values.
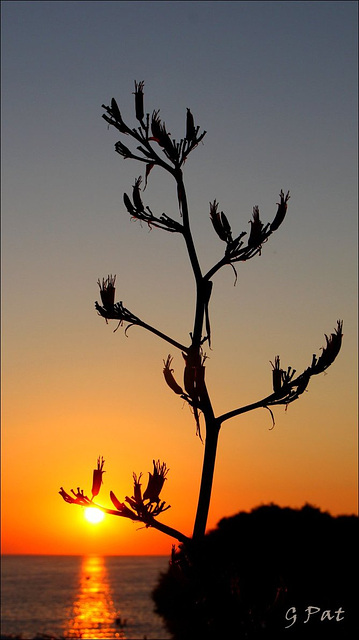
(92, 597)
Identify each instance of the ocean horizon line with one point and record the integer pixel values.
(83, 555)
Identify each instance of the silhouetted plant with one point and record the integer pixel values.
(256, 574)
(153, 146)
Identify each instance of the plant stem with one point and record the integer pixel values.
(249, 407)
(173, 533)
(151, 522)
(162, 335)
(212, 425)
(200, 283)
(212, 431)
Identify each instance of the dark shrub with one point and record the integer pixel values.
(254, 567)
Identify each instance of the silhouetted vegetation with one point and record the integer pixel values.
(237, 580)
(153, 146)
(248, 573)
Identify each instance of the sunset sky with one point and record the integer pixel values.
(274, 84)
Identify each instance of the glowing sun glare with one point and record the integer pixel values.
(94, 515)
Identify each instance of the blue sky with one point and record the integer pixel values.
(274, 84)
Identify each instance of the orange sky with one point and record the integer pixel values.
(308, 457)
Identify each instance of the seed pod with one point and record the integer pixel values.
(330, 351)
(149, 167)
(255, 236)
(115, 110)
(107, 291)
(136, 195)
(161, 136)
(116, 502)
(194, 377)
(277, 375)
(114, 118)
(139, 100)
(137, 492)
(122, 150)
(226, 227)
(282, 210)
(155, 482)
(220, 222)
(190, 128)
(156, 126)
(128, 204)
(69, 499)
(97, 477)
(168, 374)
(121, 507)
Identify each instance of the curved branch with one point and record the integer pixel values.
(249, 407)
(287, 389)
(286, 394)
(221, 263)
(121, 314)
(183, 207)
(158, 333)
(148, 522)
(173, 533)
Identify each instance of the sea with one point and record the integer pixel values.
(92, 597)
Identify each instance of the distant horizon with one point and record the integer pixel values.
(87, 555)
(165, 555)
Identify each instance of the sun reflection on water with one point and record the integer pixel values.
(94, 615)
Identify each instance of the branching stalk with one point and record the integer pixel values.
(209, 459)
(249, 407)
(155, 145)
(162, 335)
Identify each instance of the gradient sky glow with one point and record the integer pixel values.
(274, 84)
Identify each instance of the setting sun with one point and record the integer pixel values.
(94, 515)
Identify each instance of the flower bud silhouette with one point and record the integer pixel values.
(136, 195)
(190, 128)
(139, 100)
(168, 374)
(330, 351)
(121, 507)
(255, 237)
(220, 222)
(155, 482)
(107, 292)
(97, 477)
(277, 375)
(282, 210)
